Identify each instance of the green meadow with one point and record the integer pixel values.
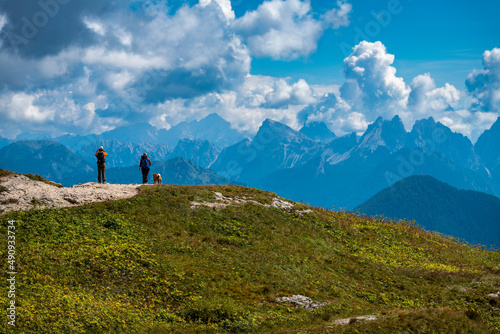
(155, 263)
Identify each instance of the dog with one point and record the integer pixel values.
(157, 178)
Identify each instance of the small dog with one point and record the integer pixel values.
(157, 178)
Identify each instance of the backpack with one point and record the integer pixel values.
(100, 157)
(144, 163)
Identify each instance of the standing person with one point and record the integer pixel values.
(101, 164)
(144, 165)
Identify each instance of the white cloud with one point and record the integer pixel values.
(60, 64)
(258, 98)
(224, 5)
(118, 81)
(338, 17)
(286, 29)
(123, 36)
(152, 65)
(484, 85)
(470, 124)
(426, 99)
(372, 89)
(95, 26)
(371, 83)
(283, 94)
(21, 107)
(3, 21)
(122, 59)
(280, 29)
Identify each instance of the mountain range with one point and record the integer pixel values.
(48, 158)
(348, 170)
(310, 165)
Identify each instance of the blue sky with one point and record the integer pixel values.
(446, 38)
(87, 67)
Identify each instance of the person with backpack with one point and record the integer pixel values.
(144, 165)
(101, 164)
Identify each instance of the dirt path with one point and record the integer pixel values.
(17, 192)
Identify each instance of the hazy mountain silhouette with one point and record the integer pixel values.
(317, 131)
(44, 157)
(437, 206)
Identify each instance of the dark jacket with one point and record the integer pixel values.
(140, 162)
(105, 154)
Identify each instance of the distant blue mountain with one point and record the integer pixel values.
(174, 171)
(44, 157)
(201, 152)
(317, 131)
(382, 133)
(274, 147)
(437, 206)
(431, 136)
(213, 128)
(348, 171)
(340, 172)
(123, 154)
(487, 148)
(4, 142)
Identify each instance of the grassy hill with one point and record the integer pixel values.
(157, 263)
(437, 206)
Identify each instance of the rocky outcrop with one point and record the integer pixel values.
(18, 192)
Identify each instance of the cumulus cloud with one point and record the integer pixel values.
(284, 94)
(129, 59)
(338, 17)
(484, 85)
(372, 89)
(20, 107)
(468, 123)
(286, 29)
(371, 81)
(258, 98)
(426, 100)
(36, 29)
(3, 21)
(336, 113)
(94, 66)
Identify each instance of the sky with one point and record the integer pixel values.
(81, 67)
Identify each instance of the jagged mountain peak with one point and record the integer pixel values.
(488, 148)
(317, 131)
(391, 134)
(202, 152)
(214, 118)
(280, 132)
(493, 131)
(430, 130)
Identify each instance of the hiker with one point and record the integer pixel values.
(101, 164)
(144, 165)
